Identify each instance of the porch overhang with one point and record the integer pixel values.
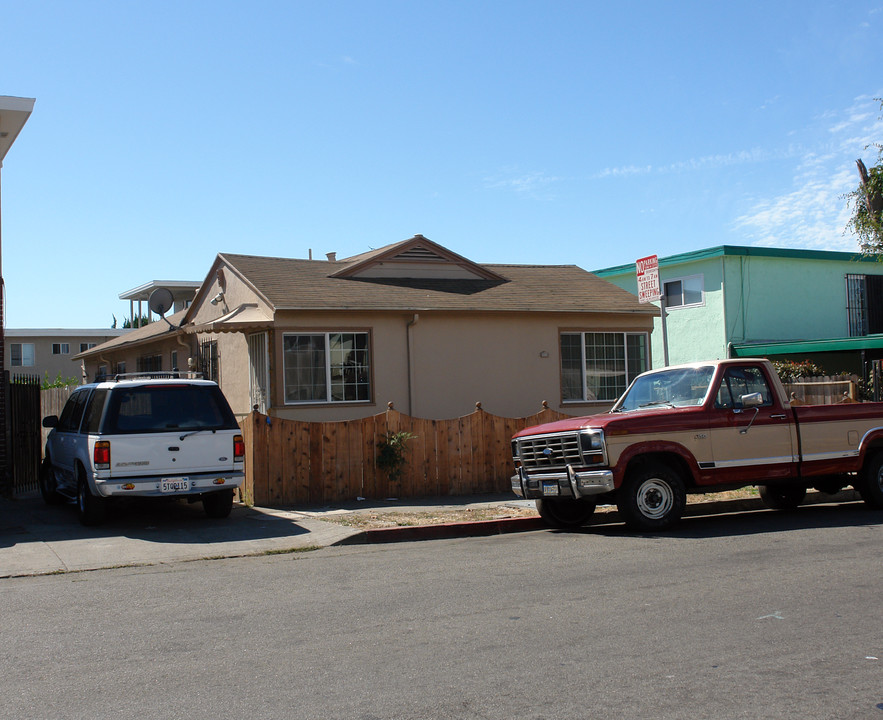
(247, 317)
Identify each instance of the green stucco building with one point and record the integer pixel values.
(728, 301)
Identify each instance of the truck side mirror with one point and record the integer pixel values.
(752, 400)
(50, 421)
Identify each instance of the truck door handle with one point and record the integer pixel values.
(778, 417)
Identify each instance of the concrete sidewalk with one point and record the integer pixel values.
(36, 539)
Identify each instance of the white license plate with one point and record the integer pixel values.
(173, 485)
(550, 487)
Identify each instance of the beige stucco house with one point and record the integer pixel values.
(48, 353)
(412, 324)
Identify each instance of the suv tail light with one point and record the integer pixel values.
(101, 455)
(238, 448)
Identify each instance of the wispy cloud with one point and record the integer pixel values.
(707, 162)
(526, 183)
(342, 61)
(814, 213)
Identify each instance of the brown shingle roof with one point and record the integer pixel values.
(293, 284)
(146, 333)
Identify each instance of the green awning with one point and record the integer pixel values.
(796, 347)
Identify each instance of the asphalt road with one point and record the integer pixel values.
(757, 615)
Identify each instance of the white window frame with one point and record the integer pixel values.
(700, 278)
(23, 357)
(328, 399)
(61, 348)
(629, 374)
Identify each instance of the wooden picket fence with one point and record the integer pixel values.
(290, 462)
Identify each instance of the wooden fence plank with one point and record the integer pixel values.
(275, 450)
(302, 463)
(259, 463)
(316, 494)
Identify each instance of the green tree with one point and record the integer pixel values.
(866, 202)
(139, 322)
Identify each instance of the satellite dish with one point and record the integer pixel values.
(160, 301)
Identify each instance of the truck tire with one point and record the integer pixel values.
(565, 512)
(218, 504)
(870, 482)
(48, 486)
(90, 509)
(782, 497)
(652, 497)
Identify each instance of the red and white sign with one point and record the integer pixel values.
(648, 279)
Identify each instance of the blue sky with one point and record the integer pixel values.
(510, 132)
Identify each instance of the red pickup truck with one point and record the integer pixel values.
(703, 427)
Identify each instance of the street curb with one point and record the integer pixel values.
(473, 528)
(483, 528)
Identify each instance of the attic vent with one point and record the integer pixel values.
(419, 253)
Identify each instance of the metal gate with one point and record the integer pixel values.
(25, 434)
(258, 371)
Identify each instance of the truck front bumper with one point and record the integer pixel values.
(567, 484)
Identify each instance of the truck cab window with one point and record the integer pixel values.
(739, 381)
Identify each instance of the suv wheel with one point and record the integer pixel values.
(48, 486)
(218, 504)
(90, 509)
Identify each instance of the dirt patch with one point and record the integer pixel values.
(370, 520)
(373, 519)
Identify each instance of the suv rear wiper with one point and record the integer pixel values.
(196, 432)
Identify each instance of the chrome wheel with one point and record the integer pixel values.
(655, 499)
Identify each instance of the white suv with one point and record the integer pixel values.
(143, 436)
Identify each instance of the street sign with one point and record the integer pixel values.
(648, 279)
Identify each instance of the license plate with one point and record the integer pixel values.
(173, 485)
(550, 487)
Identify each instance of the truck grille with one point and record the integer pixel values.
(550, 451)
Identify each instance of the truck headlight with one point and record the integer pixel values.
(591, 444)
(590, 441)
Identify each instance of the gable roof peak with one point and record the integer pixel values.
(416, 257)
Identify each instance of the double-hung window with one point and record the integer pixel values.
(326, 367)
(598, 366)
(21, 354)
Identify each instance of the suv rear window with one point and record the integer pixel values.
(160, 408)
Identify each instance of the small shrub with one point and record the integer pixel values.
(59, 382)
(391, 453)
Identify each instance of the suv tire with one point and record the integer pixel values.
(218, 504)
(90, 509)
(48, 486)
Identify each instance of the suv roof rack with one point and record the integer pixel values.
(152, 375)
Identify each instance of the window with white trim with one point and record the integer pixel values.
(599, 366)
(84, 346)
(21, 354)
(61, 349)
(326, 367)
(685, 292)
